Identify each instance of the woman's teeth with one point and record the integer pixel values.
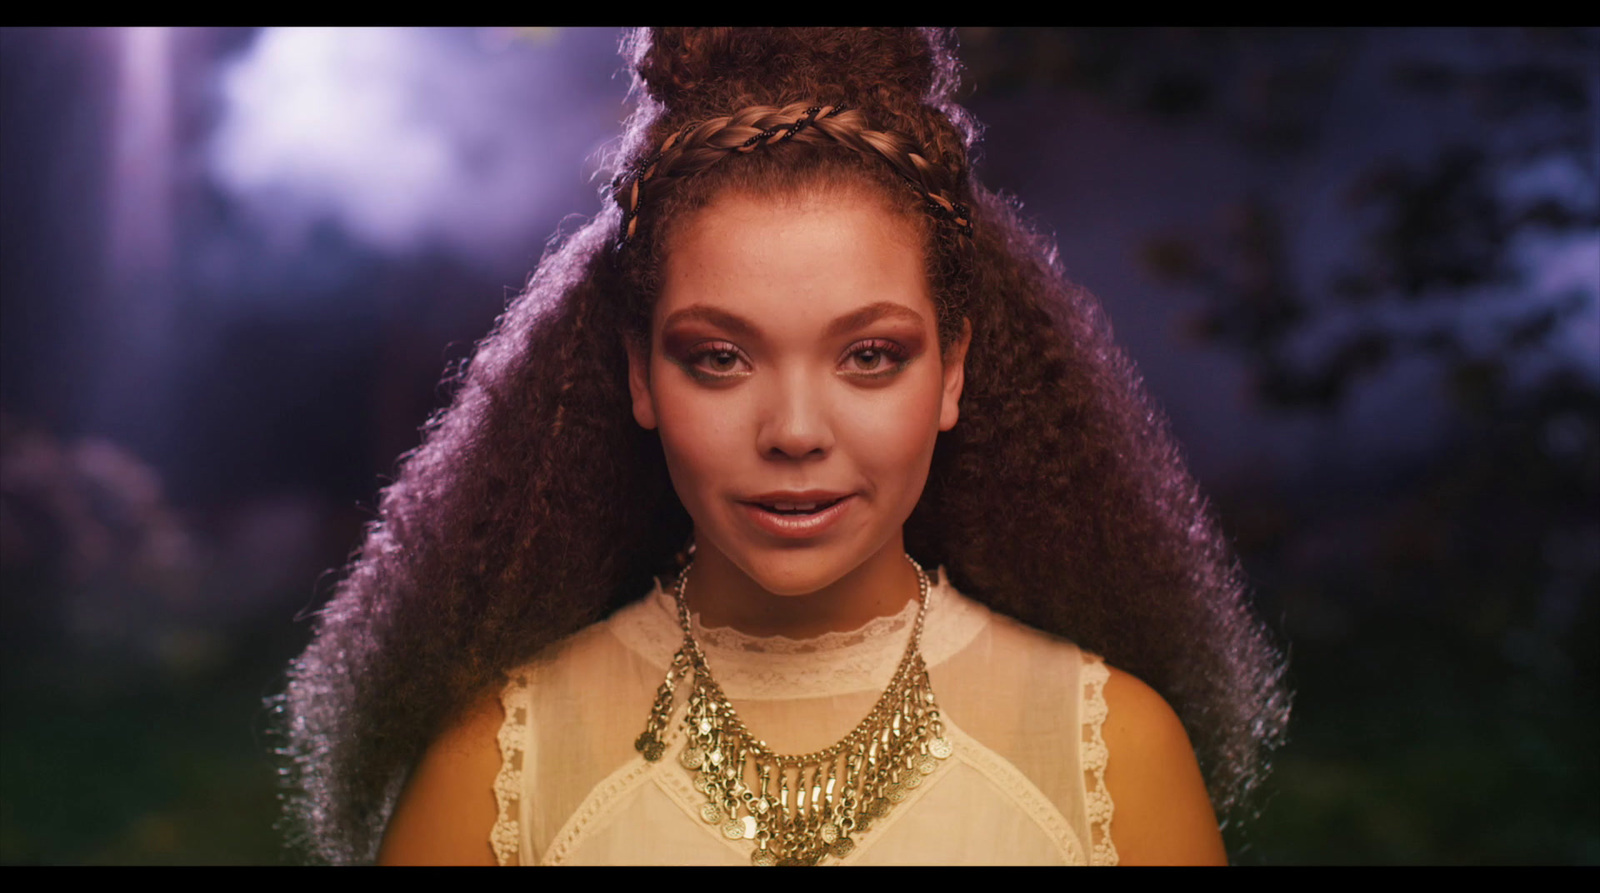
(796, 508)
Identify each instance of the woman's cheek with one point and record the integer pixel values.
(699, 433)
(903, 426)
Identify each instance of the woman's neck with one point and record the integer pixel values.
(725, 596)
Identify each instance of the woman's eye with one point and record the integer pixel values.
(877, 359)
(722, 361)
(869, 359)
(714, 361)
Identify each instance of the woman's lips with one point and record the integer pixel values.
(797, 526)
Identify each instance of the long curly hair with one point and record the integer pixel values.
(536, 506)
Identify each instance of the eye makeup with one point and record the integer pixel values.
(888, 357)
(694, 361)
(701, 361)
(696, 339)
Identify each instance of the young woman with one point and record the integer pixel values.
(799, 512)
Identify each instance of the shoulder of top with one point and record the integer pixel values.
(585, 637)
(1007, 624)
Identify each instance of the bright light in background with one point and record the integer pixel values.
(412, 138)
(141, 180)
(133, 318)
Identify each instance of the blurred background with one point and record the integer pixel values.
(1360, 269)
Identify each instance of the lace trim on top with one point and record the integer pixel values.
(726, 638)
(1097, 801)
(506, 837)
(778, 667)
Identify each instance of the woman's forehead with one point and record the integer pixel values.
(815, 261)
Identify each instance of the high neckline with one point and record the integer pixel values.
(770, 668)
(727, 638)
(830, 664)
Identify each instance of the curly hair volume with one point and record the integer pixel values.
(535, 505)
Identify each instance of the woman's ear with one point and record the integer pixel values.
(955, 377)
(644, 406)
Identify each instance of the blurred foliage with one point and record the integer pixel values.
(1257, 84)
(138, 644)
(1440, 613)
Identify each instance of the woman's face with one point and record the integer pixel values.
(795, 377)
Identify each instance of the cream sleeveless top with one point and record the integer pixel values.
(1023, 709)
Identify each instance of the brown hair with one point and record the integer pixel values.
(1058, 499)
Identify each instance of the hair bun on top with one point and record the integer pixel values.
(902, 80)
(704, 72)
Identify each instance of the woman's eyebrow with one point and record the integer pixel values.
(722, 319)
(738, 325)
(871, 314)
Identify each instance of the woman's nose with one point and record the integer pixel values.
(796, 421)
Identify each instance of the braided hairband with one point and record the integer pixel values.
(628, 186)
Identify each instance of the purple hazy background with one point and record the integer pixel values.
(1360, 270)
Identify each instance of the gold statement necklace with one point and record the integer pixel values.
(801, 809)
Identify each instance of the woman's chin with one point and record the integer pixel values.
(793, 576)
(797, 573)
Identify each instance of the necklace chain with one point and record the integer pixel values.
(800, 809)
